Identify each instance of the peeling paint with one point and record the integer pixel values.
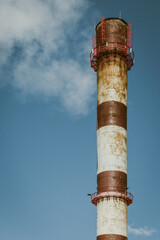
(112, 217)
(112, 149)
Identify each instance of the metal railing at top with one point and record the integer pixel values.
(110, 47)
(128, 197)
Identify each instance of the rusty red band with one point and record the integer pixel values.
(111, 113)
(115, 31)
(111, 181)
(111, 237)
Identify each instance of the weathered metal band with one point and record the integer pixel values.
(111, 113)
(116, 31)
(111, 181)
(111, 237)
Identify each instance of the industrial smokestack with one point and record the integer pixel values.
(111, 58)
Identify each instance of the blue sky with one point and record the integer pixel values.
(48, 118)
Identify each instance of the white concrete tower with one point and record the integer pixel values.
(112, 57)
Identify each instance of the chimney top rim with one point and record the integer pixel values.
(113, 18)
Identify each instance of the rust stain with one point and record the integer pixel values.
(112, 74)
(111, 67)
(119, 144)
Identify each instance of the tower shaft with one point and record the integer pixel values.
(111, 58)
(112, 147)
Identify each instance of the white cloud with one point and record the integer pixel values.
(54, 60)
(145, 231)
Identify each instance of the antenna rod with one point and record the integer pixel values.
(120, 14)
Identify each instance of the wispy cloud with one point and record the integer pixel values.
(45, 51)
(145, 231)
